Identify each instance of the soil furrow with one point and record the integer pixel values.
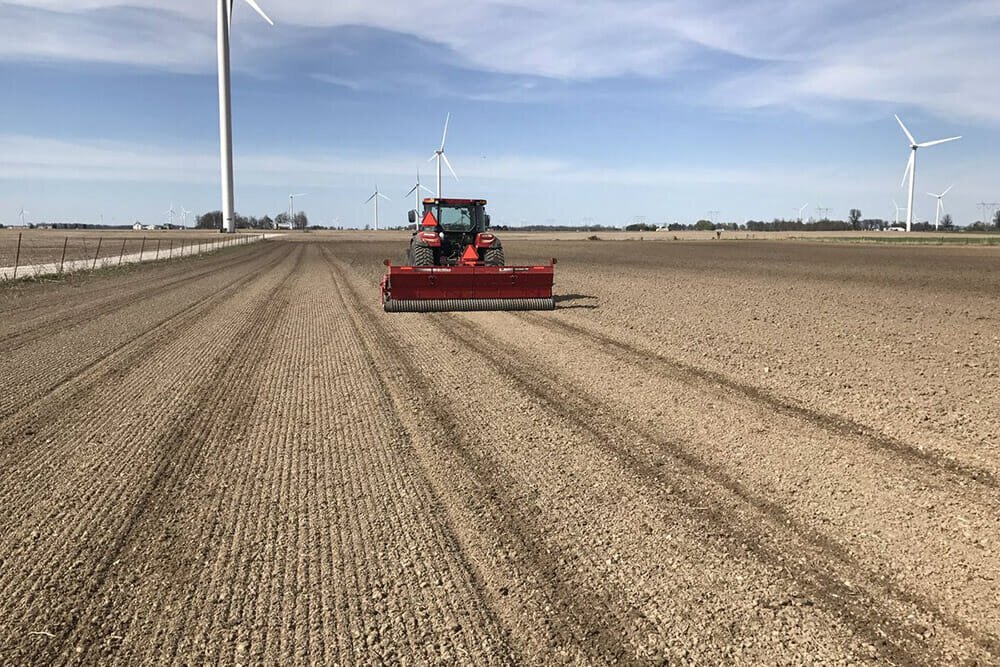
(928, 462)
(49, 324)
(179, 451)
(866, 611)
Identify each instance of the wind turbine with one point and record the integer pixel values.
(184, 213)
(224, 19)
(898, 209)
(801, 208)
(415, 191)
(170, 213)
(21, 215)
(291, 209)
(940, 205)
(439, 155)
(375, 196)
(911, 166)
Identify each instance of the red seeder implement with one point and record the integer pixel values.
(465, 287)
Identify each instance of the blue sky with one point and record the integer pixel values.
(603, 111)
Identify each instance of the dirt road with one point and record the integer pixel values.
(710, 452)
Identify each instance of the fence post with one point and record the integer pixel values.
(158, 241)
(98, 253)
(122, 253)
(17, 255)
(142, 248)
(171, 249)
(62, 260)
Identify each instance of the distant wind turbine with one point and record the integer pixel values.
(184, 214)
(898, 209)
(800, 209)
(375, 196)
(223, 20)
(940, 205)
(415, 191)
(291, 208)
(911, 166)
(439, 156)
(21, 215)
(170, 213)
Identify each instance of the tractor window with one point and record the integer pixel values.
(457, 219)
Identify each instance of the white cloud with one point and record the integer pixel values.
(789, 53)
(36, 158)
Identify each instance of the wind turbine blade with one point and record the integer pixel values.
(907, 132)
(383, 196)
(909, 166)
(260, 11)
(935, 143)
(444, 134)
(445, 158)
(895, 204)
(429, 191)
(412, 190)
(931, 194)
(947, 191)
(432, 157)
(371, 198)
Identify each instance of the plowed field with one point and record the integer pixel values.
(736, 452)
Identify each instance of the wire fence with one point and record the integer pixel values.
(33, 254)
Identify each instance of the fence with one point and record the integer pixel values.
(38, 253)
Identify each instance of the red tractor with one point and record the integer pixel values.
(454, 263)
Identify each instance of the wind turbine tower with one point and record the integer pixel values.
(375, 196)
(21, 215)
(940, 205)
(291, 209)
(439, 156)
(911, 166)
(170, 212)
(224, 20)
(184, 216)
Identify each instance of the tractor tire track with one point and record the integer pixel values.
(824, 574)
(582, 620)
(927, 462)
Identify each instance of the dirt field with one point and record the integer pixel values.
(710, 453)
(42, 246)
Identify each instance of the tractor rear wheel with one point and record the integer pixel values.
(493, 256)
(421, 255)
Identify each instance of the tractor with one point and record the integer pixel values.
(454, 263)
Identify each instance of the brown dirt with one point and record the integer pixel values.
(734, 453)
(43, 246)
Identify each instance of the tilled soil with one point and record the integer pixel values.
(735, 452)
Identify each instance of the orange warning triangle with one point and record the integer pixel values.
(429, 220)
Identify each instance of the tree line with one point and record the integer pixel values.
(213, 220)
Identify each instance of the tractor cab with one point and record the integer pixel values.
(447, 228)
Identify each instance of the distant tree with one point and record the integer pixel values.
(855, 218)
(210, 220)
(704, 226)
(947, 222)
(266, 223)
(640, 227)
(301, 220)
(996, 219)
(281, 221)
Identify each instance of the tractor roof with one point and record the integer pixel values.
(446, 201)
